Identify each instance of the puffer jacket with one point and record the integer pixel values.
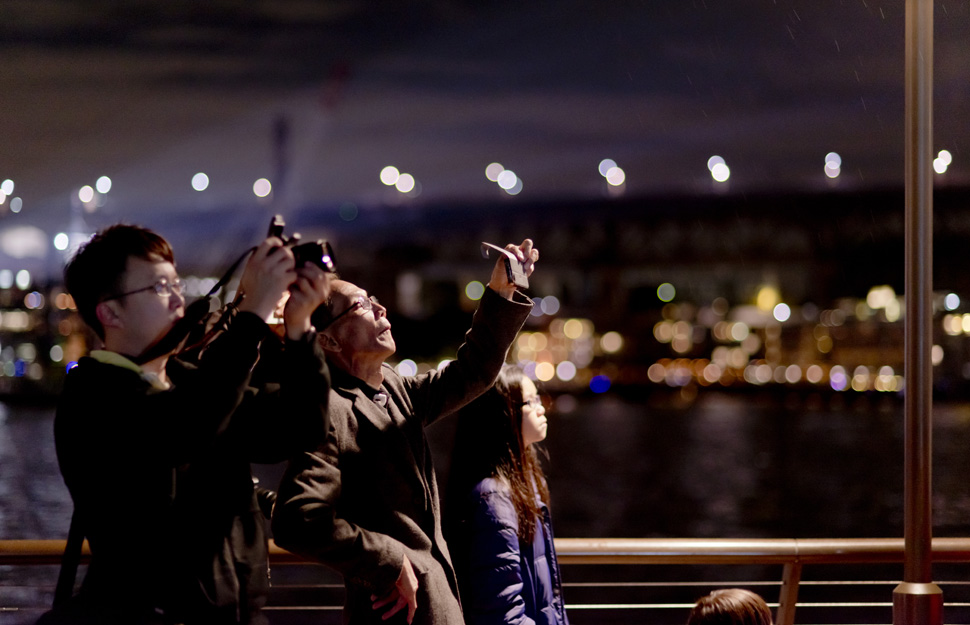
(502, 579)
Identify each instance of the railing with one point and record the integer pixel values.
(791, 554)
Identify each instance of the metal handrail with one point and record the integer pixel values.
(793, 553)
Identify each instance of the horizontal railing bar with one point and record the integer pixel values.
(635, 550)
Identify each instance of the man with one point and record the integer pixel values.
(366, 502)
(156, 455)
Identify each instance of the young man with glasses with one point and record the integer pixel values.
(155, 450)
(366, 502)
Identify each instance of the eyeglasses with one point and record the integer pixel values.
(534, 402)
(364, 303)
(163, 287)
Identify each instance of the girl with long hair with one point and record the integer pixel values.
(497, 509)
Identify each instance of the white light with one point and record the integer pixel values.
(946, 157)
(103, 185)
(389, 175)
(7, 186)
(6, 278)
(606, 165)
(474, 290)
(57, 353)
(507, 179)
(405, 183)
(86, 193)
(516, 188)
(565, 371)
(61, 241)
(200, 182)
(549, 305)
(713, 162)
(833, 160)
(3, 197)
(720, 172)
(832, 172)
(939, 165)
(407, 367)
(16, 204)
(23, 279)
(782, 312)
(493, 171)
(951, 301)
(936, 355)
(615, 176)
(262, 187)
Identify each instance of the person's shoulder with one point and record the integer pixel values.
(491, 485)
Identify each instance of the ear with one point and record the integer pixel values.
(327, 342)
(107, 313)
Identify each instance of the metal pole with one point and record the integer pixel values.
(918, 601)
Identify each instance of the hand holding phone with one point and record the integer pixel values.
(513, 268)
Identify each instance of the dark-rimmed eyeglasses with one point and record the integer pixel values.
(163, 288)
(534, 402)
(364, 303)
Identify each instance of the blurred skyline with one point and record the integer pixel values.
(319, 97)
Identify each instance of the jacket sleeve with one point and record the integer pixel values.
(285, 410)
(183, 420)
(494, 566)
(478, 361)
(307, 521)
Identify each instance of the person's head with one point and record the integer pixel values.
(495, 437)
(353, 328)
(124, 284)
(730, 606)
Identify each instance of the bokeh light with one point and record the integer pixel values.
(103, 184)
(390, 175)
(262, 187)
(200, 181)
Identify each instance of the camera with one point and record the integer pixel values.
(317, 252)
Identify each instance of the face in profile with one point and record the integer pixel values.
(147, 312)
(360, 326)
(534, 422)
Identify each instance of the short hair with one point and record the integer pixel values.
(730, 606)
(98, 268)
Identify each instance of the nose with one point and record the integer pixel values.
(176, 300)
(379, 310)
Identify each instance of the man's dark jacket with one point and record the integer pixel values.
(368, 496)
(161, 479)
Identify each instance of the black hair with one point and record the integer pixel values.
(98, 268)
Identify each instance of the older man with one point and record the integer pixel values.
(366, 502)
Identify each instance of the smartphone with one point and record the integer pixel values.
(513, 268)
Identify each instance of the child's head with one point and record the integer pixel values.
(730, 606)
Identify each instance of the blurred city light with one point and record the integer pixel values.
(493, 171)
(103, 184)
(390, 175)
(407, 367)
(405, 183)
(7, 186)
(782, 312)
(23, 279)
(86, 194)
(61, 241)
(16, 204)
(942, 161)
(606, 165)
(262, 187)
(200, 181)
(474, 290)
(951, 301)
(507, 179)
(666, 292)
(615, 176)
(600, 384)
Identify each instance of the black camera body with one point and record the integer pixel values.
(317, 252)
